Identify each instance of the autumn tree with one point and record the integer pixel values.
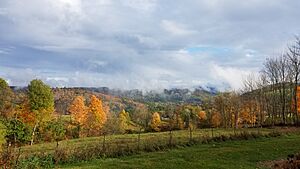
(96, 117)
(78, 110)
(41, 101)
(298, 100)
(155, 122)
(6, 95)
(141, 116)
(202, 115)
(294, 65)
(216, 119)
(22, 110)
(123, 120)
(179, 124)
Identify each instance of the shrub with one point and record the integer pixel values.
(274, 134)
(36, 162)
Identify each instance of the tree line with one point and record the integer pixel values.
(269, 99)
(30, 116)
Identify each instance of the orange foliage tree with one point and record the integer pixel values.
(78, 110)
(24, 113)
(216, 119)
(155, 122)
(202, 115)
(96, 117)
(298, 100)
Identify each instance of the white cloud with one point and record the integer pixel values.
(233, 76)
(141, 43)
(141, 5)
(176, 28)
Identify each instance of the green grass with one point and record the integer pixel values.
(226, 155)
(161, 138)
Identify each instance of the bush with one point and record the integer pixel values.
(274, 134)
(36, 162)
(60, 156)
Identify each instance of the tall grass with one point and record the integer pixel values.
(119, 145)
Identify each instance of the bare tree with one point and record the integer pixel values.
(283, 78)
(272, 74)
(294, 65)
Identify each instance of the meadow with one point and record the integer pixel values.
(245, 154)
(141, 141)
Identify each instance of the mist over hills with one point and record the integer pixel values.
(178, 95)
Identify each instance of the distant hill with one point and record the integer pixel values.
(116, 100)
(177, 95)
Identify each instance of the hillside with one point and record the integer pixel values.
(116, 100)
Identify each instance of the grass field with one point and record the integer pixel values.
(225, 155)
(130, 140)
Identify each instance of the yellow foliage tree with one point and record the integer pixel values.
(248, 117)
(155, 121)
(123, 120)
(179, 121)
(216, 119)
(78, 110)
(96, 117)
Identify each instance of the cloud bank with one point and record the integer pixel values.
(145, 44)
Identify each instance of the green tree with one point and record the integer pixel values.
(17, 132)
(2, 135)
(41, 101)
(40, 96)
(57, 130)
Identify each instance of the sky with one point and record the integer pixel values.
(142, 44)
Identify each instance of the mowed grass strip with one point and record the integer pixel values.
(245, 154)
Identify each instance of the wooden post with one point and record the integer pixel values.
(17, 158)
(139, 139)
(170, 138)
(191, 136)
(57, 144)
(56, 151)
(103, 144)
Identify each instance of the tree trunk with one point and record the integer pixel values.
(296, 100)
(33, 133)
